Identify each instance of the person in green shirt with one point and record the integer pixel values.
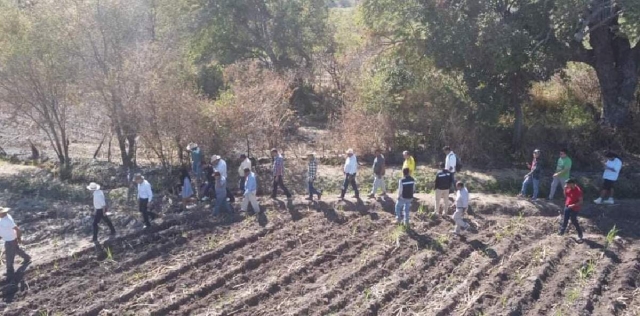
(563, 172)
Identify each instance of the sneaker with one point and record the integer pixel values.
(204, 199)
(534, 199)
(319, 196)
(520, 196)
(26, 260)
(309, 199)
(598, 201)
(371, 196)
(609, 201)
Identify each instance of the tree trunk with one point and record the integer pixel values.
(517, 125)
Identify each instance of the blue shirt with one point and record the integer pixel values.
(250, 186)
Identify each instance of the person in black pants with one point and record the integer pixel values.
(100, 205)
(278, 173)
(145, 196)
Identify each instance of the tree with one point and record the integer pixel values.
(38, 79)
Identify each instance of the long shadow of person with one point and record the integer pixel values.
(16, 284)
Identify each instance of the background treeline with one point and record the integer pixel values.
(492, 78)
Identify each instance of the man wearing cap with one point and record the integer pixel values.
(245, 163)
(532, 177)
(311, 176)
(278, 173)
(145, 196)
(221, 166)
(350, 170)
(379, 170)
(100, 205)
(250, 189)
(196, 160)
(12, 237)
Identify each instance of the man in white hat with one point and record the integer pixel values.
(350, 170)
(196, 160)
(245, 163)
(145, 196)
(12, 236)
(221, 166)
(100, 205)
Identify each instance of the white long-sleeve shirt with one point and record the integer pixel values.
(450, 162)
(245, 164)
(144, 190)
(612, 175)
(99, 201)
(221, 167)
(351, 165)
(462, 198)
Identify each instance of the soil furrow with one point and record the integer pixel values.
(615, 295)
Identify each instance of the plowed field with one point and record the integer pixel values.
(348, 258)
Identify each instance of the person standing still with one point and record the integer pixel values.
(250, 189)
(311, 176)
(612, 167)
(350, 170)
(278, 174)
(409, 162)
(12, 236)
(406, 187)
(100, 205)
(379, 170)
(442, 187)
(533, 177)
(572, 205)
(196, 160)
(245, 163)
(221, 166)
(145, 197)
(563, 172)
(450, 163)
(462, 203)
(221, 194)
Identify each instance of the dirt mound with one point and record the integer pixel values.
(346, 258)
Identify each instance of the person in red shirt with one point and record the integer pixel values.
(572, 204)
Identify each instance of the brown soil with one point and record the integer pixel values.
(344, 258)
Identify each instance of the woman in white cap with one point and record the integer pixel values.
(100, 205)
(350, 170)
(12, 236)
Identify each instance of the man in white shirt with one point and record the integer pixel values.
(145, 196)
(100, 205)
(221, 166)
(350, 170)
(450, 163)
(462, 203)
(245, 163)
(12, 237)
(612, 167)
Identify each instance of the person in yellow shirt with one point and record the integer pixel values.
(409, 162)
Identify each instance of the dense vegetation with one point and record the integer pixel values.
(492, 78)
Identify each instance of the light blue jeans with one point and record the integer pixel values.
(400, 205)
(221, 204)
(536, 186)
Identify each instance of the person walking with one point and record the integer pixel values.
(312, 172)
(209, 182)
(250, 189)
(572, 205)
(462, 203)
(12, 236)
(612, 167)
(409, 162)
(221, 194)
(442, 187)
(406, 187)
(350, 170)
(533, 177)
(145, 197)
(196, 160)
(100, 205)
(221, 166)
(379, 170)
(278, 174)
(450, 163)
(187, 190)
(563, 172)
(245, 163)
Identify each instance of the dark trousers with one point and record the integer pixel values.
(230, 196)
(206, 191)
(312, 189)
(453, 181)
(11, 249)
(570, 214)
(144, 209)
(350, 179)
(101, 216)
(241, 184)
(278, 182)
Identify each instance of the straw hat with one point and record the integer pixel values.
(350, 151)
(93, 186)
(215, 157)
(4, 210)
(192, 146)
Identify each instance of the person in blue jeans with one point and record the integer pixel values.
(221, 194)
(406, 189)
(533, 177)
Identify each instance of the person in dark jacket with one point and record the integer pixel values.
(379, 170)
(406, 187)
(532, 177)
(209, 182)
(442, 184)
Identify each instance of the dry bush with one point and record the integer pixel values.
(363, 132)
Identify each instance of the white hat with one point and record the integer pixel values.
(4, 210)
(214, 158)
(93, 186)
(349, 151)
(536, 151)
(192, 146)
